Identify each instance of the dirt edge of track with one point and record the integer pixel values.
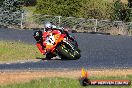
(26, 76)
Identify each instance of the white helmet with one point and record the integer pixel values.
(47, 26)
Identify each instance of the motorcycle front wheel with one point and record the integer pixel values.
(65, 53)
(50, 55)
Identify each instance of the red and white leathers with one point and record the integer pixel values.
(42, 44)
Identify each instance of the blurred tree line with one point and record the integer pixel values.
(29, 2)
(10, 11)
(24, 2)
(1, 1)
(97, 9)
(121, 11)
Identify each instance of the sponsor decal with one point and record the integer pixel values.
(85, 81)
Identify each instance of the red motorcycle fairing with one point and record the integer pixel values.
(43, 45)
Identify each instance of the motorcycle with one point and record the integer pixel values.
(58, 44)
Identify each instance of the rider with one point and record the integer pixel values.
(49, 29)
(41, 37)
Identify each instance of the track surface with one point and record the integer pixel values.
(98, 51)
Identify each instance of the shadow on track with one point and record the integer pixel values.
(55, 58)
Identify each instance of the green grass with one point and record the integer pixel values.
(62, 83)
(13, 51)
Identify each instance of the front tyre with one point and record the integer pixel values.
(65, 53)
(77, 54)
(50, 55)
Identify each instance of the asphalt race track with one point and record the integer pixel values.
(98, 51)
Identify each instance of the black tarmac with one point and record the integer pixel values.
(98, 51)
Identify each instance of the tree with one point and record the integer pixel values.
(121, 11)
(10, 12)
(59, 7)
(29, 2)
(1, 1)
(130, 3)
(97, 9)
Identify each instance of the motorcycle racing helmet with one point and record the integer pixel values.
(48, 26)
(38, 35)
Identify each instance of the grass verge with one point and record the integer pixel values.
(14, 51)
(58, 82)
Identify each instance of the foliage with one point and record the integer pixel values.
(121, 11)
(1, 1)
(59, 7)
(29, 2)
(97, 9)
(10, 12)
(11, 5)
(130, 3)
